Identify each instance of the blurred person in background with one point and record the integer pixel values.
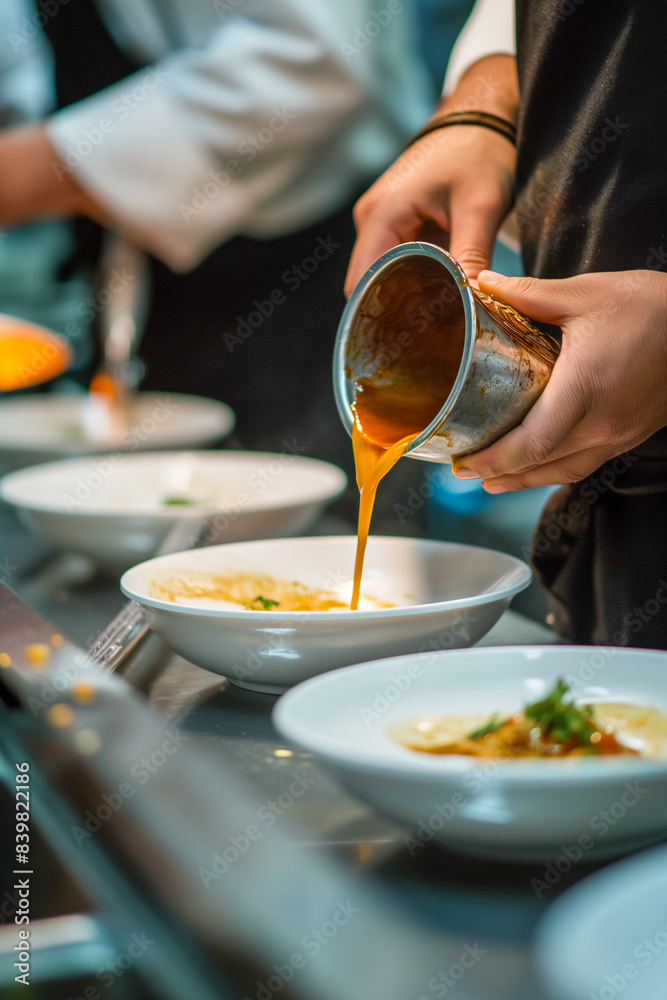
(30, 254)
(439, 24)
(588, 178)
(228, 140)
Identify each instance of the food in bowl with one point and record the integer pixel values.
(424, 594)
(553, 726)
(249, 592)
(521, 810)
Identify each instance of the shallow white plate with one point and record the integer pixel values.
(449, 595)
(607, 936)
(43, 427)
(521, 810)
(112, 507)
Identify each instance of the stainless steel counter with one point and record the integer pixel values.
(488, 908)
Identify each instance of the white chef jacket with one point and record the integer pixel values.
(490, 30)
(254, 117)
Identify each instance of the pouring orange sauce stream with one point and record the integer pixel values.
(372, 462)
(403, 353)
(387, 419)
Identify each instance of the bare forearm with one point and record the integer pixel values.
(491, 84)
(34, 184)
(452, 187)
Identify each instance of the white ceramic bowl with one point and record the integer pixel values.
(113, 508)
(42, 427)
(520, 810)
(450, 595)
(608, 934)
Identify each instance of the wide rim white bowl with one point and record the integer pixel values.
(524, 809)
(448, 593)
(595, 928)
(300, 481)
(516, 576)
(38, 427)
(112, 507)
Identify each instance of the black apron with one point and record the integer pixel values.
(592, 196)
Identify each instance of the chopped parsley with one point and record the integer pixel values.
(560, 720)
(494, 723)
(556, 716)
(265, 604)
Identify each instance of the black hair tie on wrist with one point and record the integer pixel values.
(483, 118)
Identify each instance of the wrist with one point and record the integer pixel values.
(479, 119)
(490, 85)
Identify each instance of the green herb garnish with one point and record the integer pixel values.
(494, 723)
(265, 603)
(178, 502)
(559, 720)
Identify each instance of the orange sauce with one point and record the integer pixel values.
(391, 408)
(250, 591)
(372, 462)
(403, 353)
(515, 738)
(28, 357)
(103, 385)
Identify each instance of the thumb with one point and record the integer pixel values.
(546, 300)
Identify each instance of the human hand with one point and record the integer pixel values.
(607, 392)
(453, 187)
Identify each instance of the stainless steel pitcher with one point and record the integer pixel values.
(418, 291)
